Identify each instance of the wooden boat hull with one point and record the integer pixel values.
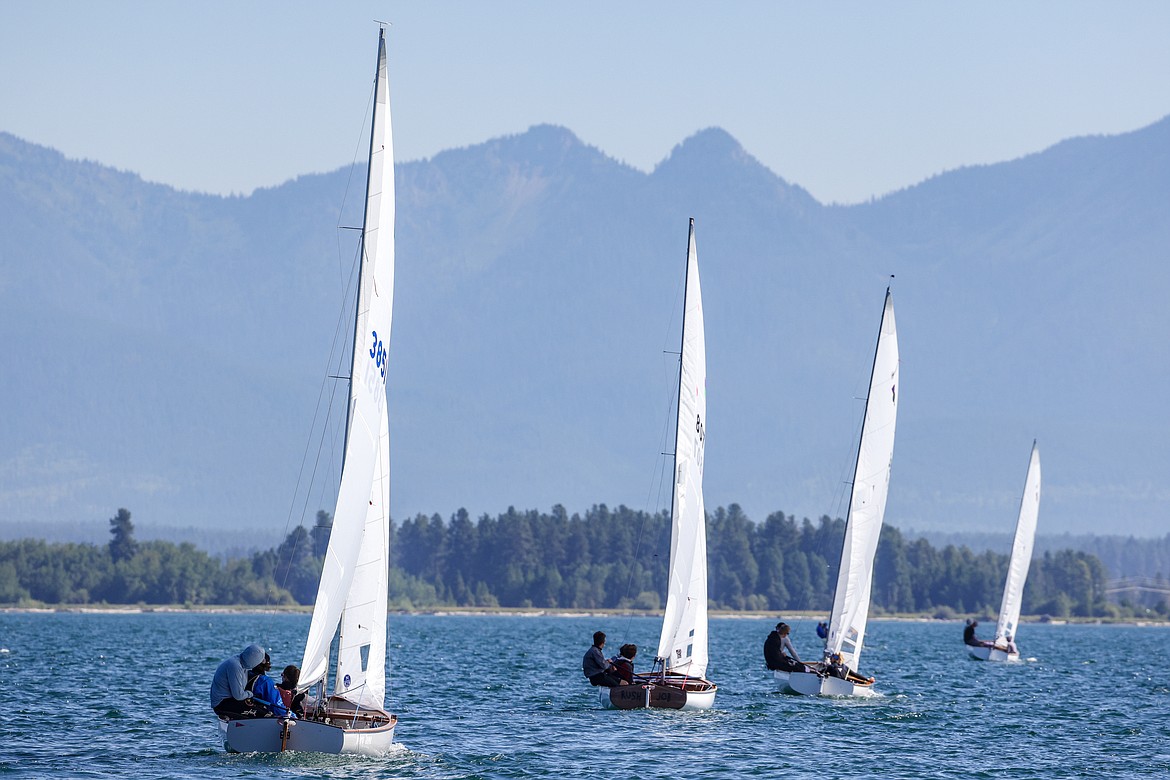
(266, 735)
(689, 695)
(991, 654)
(809, 684)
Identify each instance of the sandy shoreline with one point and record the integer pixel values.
(114, 609)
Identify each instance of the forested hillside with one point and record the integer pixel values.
(604, 559)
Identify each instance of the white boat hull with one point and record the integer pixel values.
(266, 735)
(782, 680)
(809, 684)
(694, 695)
(991, 654)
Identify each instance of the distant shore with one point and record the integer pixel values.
(179, 609)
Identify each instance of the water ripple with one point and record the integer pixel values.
(114, 696)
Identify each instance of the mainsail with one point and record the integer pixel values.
(867, 504)
(352, 591)
(1013, 589)
(683, 643)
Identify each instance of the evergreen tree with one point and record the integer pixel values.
(122, 546)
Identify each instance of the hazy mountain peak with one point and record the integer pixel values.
(713, 156)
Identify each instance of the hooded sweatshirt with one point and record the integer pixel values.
(231, 676)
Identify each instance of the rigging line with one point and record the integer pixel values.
(660, 477)
(357, 153)
(291, 554)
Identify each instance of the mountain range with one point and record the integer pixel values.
(167, 351)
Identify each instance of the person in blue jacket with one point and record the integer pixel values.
(230, 697)
(264, 690)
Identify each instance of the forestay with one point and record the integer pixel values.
(867, 504)
(352, 592)
(1013, 589)
(683, 643)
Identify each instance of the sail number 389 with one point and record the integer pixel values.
(378, 353)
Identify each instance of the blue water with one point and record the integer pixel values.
(110, 695)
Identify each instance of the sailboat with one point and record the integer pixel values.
(351, 596)
(678, 677)
(867, 506)
(1003, 648)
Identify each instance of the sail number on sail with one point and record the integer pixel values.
(376, 368)
(700, 435)
(378, 353)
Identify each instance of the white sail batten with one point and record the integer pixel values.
(353, 579)
(683, 643)
(1021, 560)
(867, 503)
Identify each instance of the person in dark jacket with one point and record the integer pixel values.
(596, 668)
(773, 657)
(623, 663)
(969, 637)
(836, 668)
(779, 654)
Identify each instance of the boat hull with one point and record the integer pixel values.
(781, 678)
(991, 654)
(689, 695)
(809, 684)
(267, 735)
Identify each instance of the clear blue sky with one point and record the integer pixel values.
(847, 99)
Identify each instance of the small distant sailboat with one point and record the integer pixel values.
(1003, 648)
(352, 593)
(867, 506)
(678, 678)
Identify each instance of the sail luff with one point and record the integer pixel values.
(683, 641)
(868, 497)
(1021, 559)
(363, 492)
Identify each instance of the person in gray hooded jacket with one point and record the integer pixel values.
(230, 697)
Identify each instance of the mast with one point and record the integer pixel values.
(353, 573)
(845, 595)
(682, 343)
(682, 643)
(357, 308)
(1021, 556)
(357, 314)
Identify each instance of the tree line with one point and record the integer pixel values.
(127, 571)
(602, 559)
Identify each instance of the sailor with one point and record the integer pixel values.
(779, 654)
(230, 697)
(264, 689)
(969, 637)
(837, 668)
(623, 663)
(287, 688)
(596, 668)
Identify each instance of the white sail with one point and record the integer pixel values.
(1013, 589)
(353, 579)
(867, 505)
(683, 643)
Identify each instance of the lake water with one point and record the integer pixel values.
(125, 695)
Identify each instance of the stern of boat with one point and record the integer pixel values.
(674, 694)
(373, 737)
